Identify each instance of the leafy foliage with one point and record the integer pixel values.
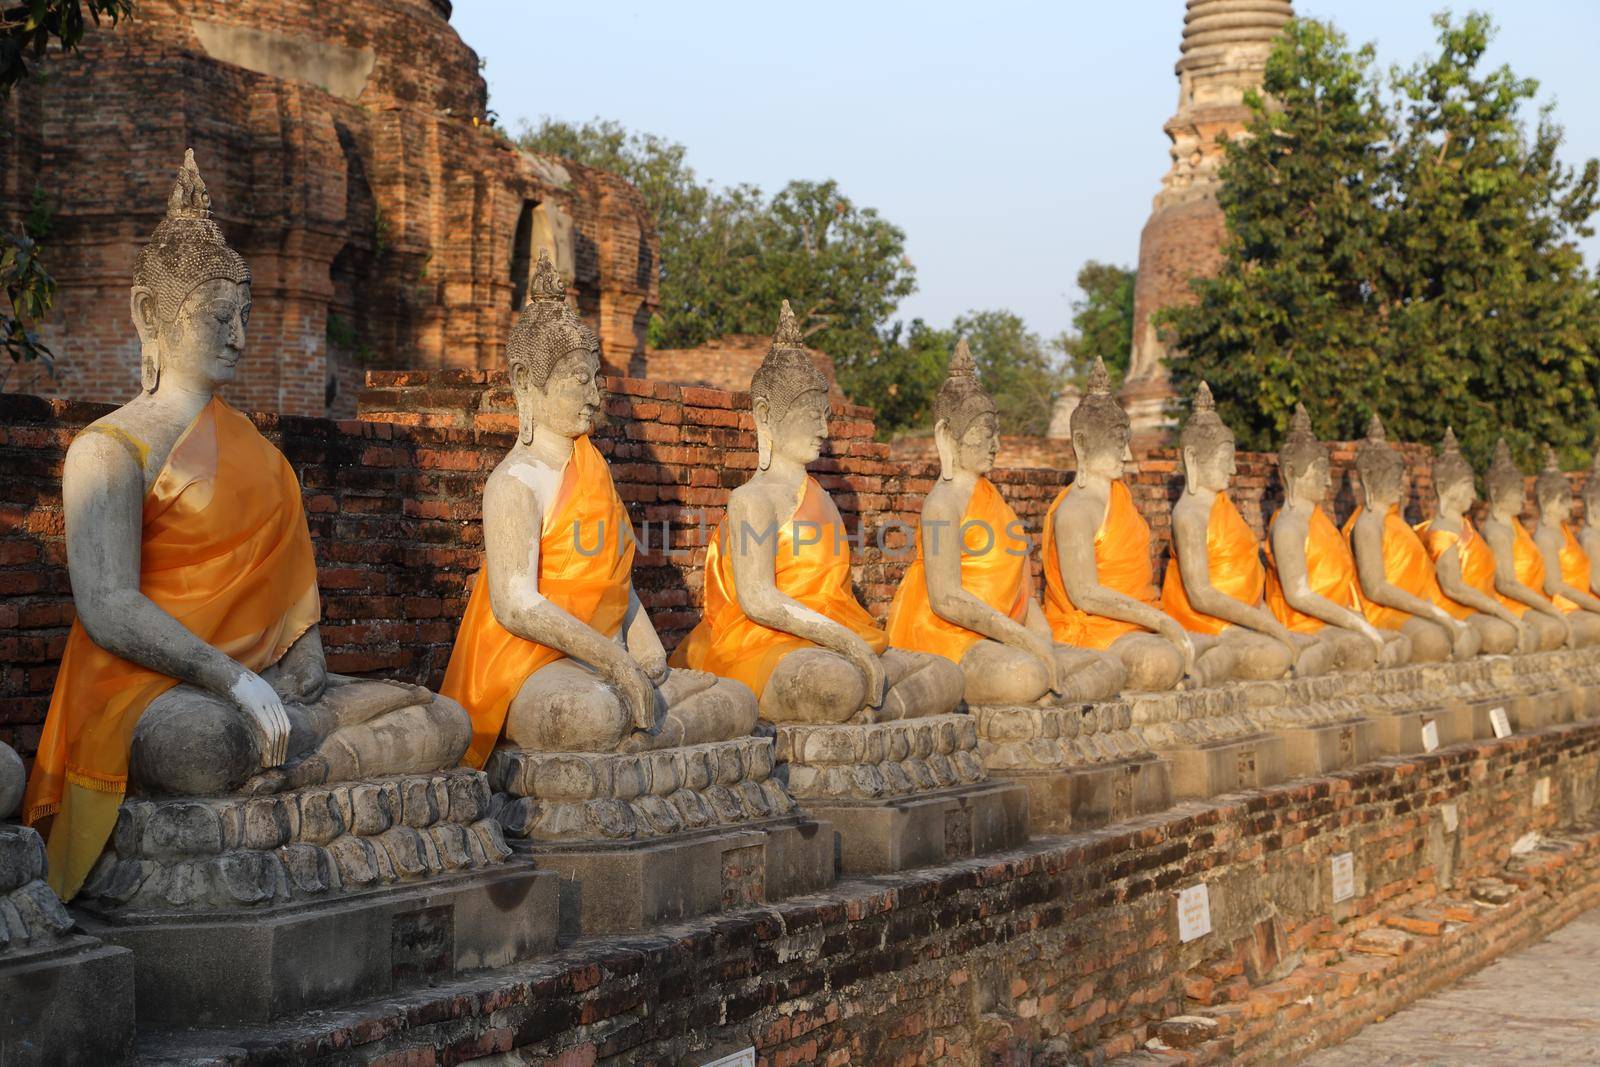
(1102, 320)
(1015, 367)
(29, 291)
(28, 28)
(1412, 254)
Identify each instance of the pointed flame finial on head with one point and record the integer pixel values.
(787, 335)
(1301, 450)
(189, 199)
(1449, 442)
(1099, 383)
(1449, 466)
(547, 283)
(962, 365)
(1551, 486)
(1375, 430)
(1551, 462)
(1301, 422)
(1502, 454)
(1203, 400)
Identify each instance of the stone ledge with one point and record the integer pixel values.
(200, 854)
(575, 798)
(880, 760)
(1032, 738)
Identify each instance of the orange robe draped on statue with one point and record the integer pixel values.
(1122, 563)
(586, 551)
(224, 549)
(994, 568)
(1406, 565)
(1234, 556)
(1574, 567)
(1477, 561)
(813, 568)
(1528, 562)
(1330, 571)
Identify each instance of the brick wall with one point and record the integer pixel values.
(1065, 951)
(394, 507)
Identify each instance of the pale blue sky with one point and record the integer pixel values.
(1011, 141)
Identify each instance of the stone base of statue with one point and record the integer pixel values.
(241, 910)
(1211, 741)
(1079, 771)
(65, 999)
(903, 794)
(662, 836)
(1323, 729)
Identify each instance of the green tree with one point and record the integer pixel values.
(903, 373)
(28, 28)
(1102, 320)
(1417, 259)
(1016, 368)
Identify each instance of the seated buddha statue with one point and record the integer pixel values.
(1100, 589)
(1398, 587)
(1589, 533)
(1566, 565)
(780, 615)
(194, 666)
(554, 652)
(1311, 583)
(1462, 561)
(968, 593)
(1215, 584)
(1519, 566)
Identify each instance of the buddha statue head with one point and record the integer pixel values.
(1100, 431)
(1453, 481)
(966, 423)
(1505, 482)
(1303, 461)
(191, 294)
(1552, 491)
(1591, 489)
(554, 361)
(1382, 470)
(1207, 445)
(789, 398)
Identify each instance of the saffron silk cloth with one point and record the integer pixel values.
(1528, 563)
(1234, 556)
(1406, 564)
(1477, 561)
(812, 568)
(1122, 564)
(1574, 567)
(224, 549)
(994, 568)
(586, 551)
(1330, 571)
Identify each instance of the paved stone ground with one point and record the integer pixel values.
(1540, 1005)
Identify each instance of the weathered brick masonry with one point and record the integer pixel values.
(1065, 951)
(393, 502)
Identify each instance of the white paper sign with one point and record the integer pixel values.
(1194, 912)
(1541, 792)
(1344, 877)
(1452, 818)
(742, 1058)
(1501, 722)
(1430, 736)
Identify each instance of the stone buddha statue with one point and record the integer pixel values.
(1399, 590)
(1463, 563)
(555, 652)
(1312, 583)
(194, 667)
(1567, 566)
(968, 594)
(1215, 584)
(1100, 589)
(1519, 566)
(1589, 535)
(780, 615)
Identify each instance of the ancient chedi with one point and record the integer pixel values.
(387, 224)
(1224, 52)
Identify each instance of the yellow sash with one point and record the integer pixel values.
(586, 551)
(1235, 563)
(224, 550)
(1528, 563)
(1406, 565)
(994, 568)
(1574, 566)
(1477, 561)
(1330, 569)
(1122, 563)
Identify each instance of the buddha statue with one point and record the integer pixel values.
(1519, 566)
(555, 652)
(1589, 535)
(1398, 588)
(194, 666)
(1215, 584)
(1462, 561)
(968, 593)
(1311, 584)
(1100, 589)
(779, 612)
(1566, 565)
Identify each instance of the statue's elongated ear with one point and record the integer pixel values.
(522, 391)
(142, 305)
(761, 411)
(945, 442)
